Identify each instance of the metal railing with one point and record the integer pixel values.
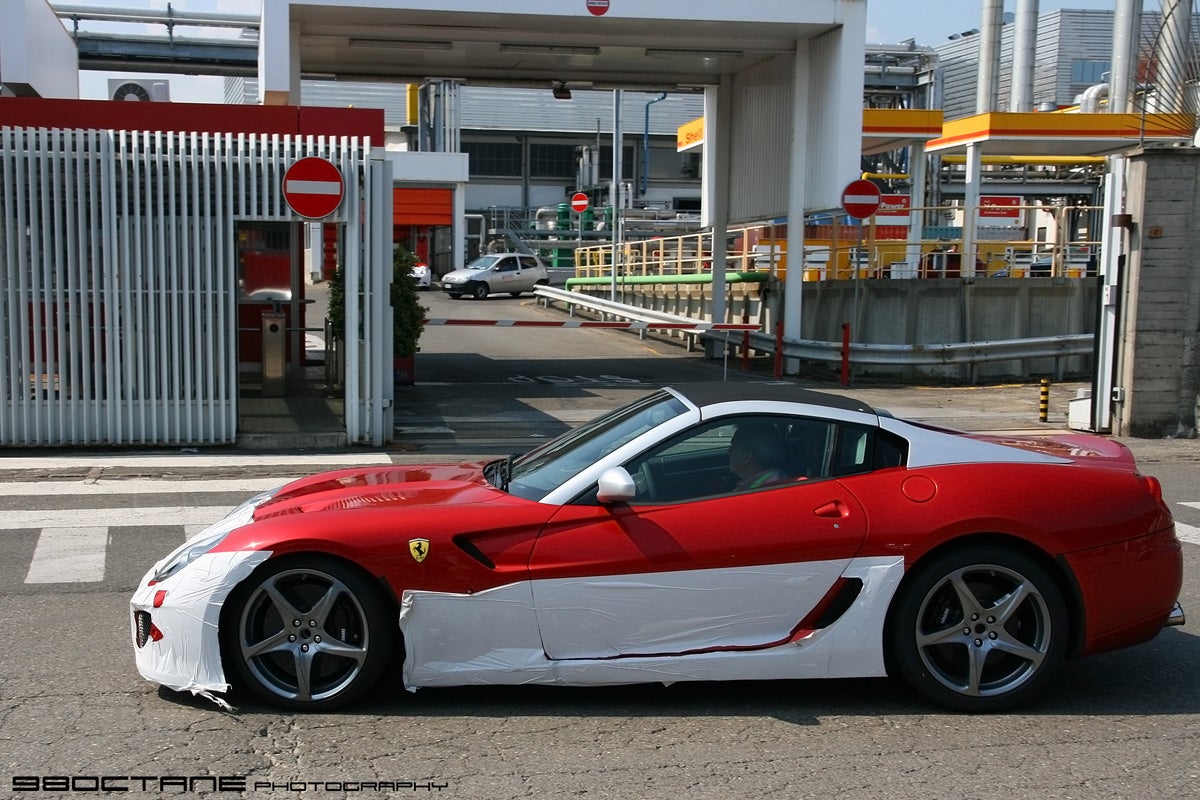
(836, 251)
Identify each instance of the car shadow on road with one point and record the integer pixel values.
(1154, 679)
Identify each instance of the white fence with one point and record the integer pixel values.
(118, 281)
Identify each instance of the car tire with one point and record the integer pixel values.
(515, 294)
(454, 295)
(480, 291)
(308, 633)
(986, 600)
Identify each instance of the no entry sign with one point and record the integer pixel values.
(861, 199)
(598, 7)
(579, 202)
(313, 188)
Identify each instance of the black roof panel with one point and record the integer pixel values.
(711, 393)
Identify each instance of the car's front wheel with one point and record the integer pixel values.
(480, 291)
(308, 633)
(979, 628)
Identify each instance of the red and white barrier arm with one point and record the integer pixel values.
(578, 323)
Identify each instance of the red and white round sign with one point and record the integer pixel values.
(579, 202)
(861, 199)
(598, 8)
(313, 187)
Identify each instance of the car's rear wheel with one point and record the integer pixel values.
(979, 628)
(515, 294)
(454, 295)
(480, 291)
(308, 633)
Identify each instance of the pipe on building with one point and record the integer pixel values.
(1173, 54)
(1024, 53)
(1089, 101)
(1127, 24)
(988, 86)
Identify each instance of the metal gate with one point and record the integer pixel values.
(119, 281)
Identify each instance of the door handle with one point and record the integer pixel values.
(834, 509)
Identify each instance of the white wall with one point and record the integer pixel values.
(38, 58)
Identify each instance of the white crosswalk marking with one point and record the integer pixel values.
(246, 486)
(1185, 532)
(114, 517)
(69, 555)
(73, 543)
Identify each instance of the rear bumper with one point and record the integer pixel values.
(1129, 590)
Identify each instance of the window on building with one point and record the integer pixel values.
(552, 161)
(668, 164)
(494, 159)
(1089, 72)
(627, 163)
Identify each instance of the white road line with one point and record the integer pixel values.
(195, 460)
(69, 555)
(248, 486)
(1187, 533)
(112, 517)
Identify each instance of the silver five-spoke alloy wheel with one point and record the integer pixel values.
(979, 629)
(308, 636)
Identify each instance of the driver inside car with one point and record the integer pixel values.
(756, 455)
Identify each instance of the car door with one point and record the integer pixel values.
(530, 272)
(732, 571)
(506, 275)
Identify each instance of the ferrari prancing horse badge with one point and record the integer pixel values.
(419, 548)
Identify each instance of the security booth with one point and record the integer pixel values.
(149, 249)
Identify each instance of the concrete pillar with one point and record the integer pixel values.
(1158, 376)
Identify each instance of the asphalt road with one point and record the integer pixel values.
(73, 710)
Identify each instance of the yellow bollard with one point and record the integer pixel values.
(1044, 403)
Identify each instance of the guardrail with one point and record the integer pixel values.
(648, 319)
(862, 354)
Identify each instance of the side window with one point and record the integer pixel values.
(861, 449)
(507, 265)
(528, 262)
(733, 454)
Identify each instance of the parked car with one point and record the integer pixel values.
(730, 531)
(422, 275)
(496, 272)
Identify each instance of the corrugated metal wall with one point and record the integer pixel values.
(760, 139)
(498, 108)
(119, 280)
(1064, 37)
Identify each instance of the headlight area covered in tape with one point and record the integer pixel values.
(209, 538)
(176, 611)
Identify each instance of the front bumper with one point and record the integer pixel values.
(174, 623)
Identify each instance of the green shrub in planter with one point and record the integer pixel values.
(408, 315)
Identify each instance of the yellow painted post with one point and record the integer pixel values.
(1044, 402)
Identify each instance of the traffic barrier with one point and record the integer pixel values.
(578, 323)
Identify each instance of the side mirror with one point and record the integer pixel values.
(616, 486)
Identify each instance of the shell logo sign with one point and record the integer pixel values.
(689, 135)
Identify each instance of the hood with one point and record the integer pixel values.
(377, 487)
(464, 273)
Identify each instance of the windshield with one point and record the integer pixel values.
(538, 472)
(483, 262)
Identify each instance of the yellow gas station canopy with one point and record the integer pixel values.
(883, 129)
(1054, 134)
(887, 129)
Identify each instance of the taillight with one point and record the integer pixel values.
(1152, 486)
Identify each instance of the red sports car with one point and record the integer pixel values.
(730, 531)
